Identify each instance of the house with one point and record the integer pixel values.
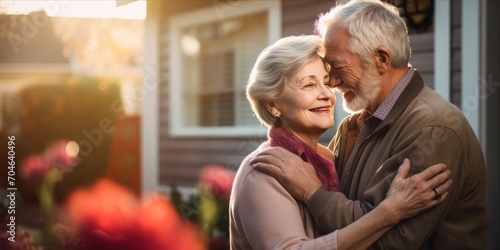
(195, 112)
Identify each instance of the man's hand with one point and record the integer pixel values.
(298, 177)
(409, 196)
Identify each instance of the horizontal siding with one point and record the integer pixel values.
(456, 60)
(229, 148)
(422, 42)
(456, 53)
(302, 11)
(424, 62)
(299, 15)
(422, 57)
(299, 29)
(182, 159)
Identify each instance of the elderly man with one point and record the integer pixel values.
(394, 116)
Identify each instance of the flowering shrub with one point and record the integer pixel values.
(209, 207)
(217, 181)
(46, 169)
(59, 157)
(103, 216)
(108, 216)
(215, 188)
(24, 240)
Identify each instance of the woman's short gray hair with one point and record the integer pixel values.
(371, 24)
(274, 65)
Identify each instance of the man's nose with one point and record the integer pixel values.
(334, 81)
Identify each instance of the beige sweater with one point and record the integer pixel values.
(263, 215)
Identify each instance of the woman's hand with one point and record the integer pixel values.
(410, 196)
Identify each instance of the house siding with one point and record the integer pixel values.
(422, 57)
(456, 53)
(299, 15)
(493, 120)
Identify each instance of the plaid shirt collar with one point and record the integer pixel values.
(386, 106)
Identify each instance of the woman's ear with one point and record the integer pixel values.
(271, 107)
(383, 59)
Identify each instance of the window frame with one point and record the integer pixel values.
(198, 17)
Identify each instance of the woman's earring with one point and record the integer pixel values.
(277, 115)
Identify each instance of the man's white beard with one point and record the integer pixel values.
(368, 90)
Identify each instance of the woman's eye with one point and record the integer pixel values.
(310, 85)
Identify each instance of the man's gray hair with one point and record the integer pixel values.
(371, 24)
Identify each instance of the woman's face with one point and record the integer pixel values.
(308, 104)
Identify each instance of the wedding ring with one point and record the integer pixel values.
(438, 194)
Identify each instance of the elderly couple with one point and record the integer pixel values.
(383, 182)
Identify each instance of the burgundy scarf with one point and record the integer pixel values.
(325, 169)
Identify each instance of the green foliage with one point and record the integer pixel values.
(209, 213)
(72, 109)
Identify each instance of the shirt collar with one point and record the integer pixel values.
(388, 103)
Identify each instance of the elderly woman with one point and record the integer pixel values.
(289, 92)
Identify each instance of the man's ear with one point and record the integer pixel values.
(383, 59)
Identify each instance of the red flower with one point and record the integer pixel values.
(110, 217)
(62, 154)
(162, 228)
(34, 168)
(218, 180)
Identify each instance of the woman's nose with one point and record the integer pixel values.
(326, 92)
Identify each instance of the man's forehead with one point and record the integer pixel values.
(336, 32)
(332, 54)
(336, 44)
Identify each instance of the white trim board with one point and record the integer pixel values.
(473, 104)
(442, 48)
(150, 134)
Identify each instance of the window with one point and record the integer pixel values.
(418, 14)
(211, 56)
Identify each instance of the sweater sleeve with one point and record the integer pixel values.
(333, 211)
(270, 218)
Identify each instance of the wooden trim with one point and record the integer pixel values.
(35, 68)
(150, 133)
(221, 132)
(442, 48)
(483, 136)
(472, 104)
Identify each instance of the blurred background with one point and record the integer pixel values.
(150, 94)
(68, 72)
